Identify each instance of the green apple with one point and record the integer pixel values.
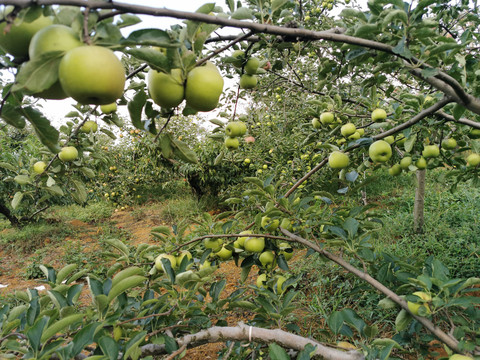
(400, 139)
(205, 265)
(267, 259)
(89, 127)
(459, 357)
(380, 151)
(184, 253)
(203, 87)
(241, 240)
(213, 243)
(17, 39)
(279, 285)
(166, 90)
(405, 162)
(53, 38)
(232, 143)
(247, 161)
(316, 123)
(286, 250)
(473, 159)
(421, 163)
(348, 129)
(449, 144)
(338, 160)
(395, 170)
(327, 118)
(108, 108)
(224, 253)
(414, 307)
(92, 75)
(158, 261)
(341, 141)
(474, 134)
(286, 224)
(355, 136)
(248, 81)
(68, 153)
(251, 66)
(389, 139)
(239, 55)
(261, 280)
(254, 244)
(235, 128)
(379, 115)
(430, 151)
(269, 224)
(361, 131)
(39, 167)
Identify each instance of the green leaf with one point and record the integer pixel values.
(429, 72)
(245, 272)
(165, 142)
(34, 334)
(135, 108)
(183, 152)
(80, 194)
(395, 15)
(64, 272)
(242, 14)
(335, 321)
(403, 320)
(126, 273)
(126, 284)
(458, 111)
(23, 179)
(133, 344)
(219, 158)
(12, 116)
(47, 134)
(83, 338)
(277, 4)
(88, 172)
(151, 37)
(38, 74)
(109, 347)
(444, 47)
(17, 198)
(119, 246)
(60, 325)
(401, 49)
(351, 226)
(410, 142)
(153, 57)
(8, 166)
(276, 352)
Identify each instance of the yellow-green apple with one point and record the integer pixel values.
(68, 153)
(414, 306)
(395, 170)
(39, 167)
(213, 243)
(389, 139)
(267, 259)
(268, 224)
(379, 115)
(239, 55)
(400, 139)
(355, 136)
(473, 159)
(449, 144)
(348, 129)
(232, 143)
(205, 265)
(280, 280)
(53, 38)
(183, 254)
(316, 123)
(248, 81)
(240, 242)
(421, 163)
(224, 253)
(92, 75)
(286, 250)
(251, 66)
(361, 131)
(247, 161)
(261, 280)
(254, 244)
(405, 162)
(327, 118)
(459, 357)
(235, 128)
(203, 87)
(430, 151)
(89, 127)
(286, 224)
(158, 261)
(108, 108)
(380, 151)
(166, 90)
(474, 134)
(338, 160)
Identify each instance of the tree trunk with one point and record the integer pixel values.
(6, 212)
(418, 220)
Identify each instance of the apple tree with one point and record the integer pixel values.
(392, 85)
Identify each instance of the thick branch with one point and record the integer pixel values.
(8, 214)
(464, 121)
(247, 333)
(442, 336)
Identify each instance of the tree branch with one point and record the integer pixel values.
(464, 121)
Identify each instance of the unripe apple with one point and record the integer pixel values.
(68, 153)
(251, 66)
(224, 253)
(39, 167)
(405, 162)
(414, 307)
(430, 151)
(267, 259)
(395, 170)
(474, 134)
(338, 160)
(215, 244)
(261, 280)
(348, 129)
(459, 357)
(232, 143)
(108, 108)
(361, 131)
(389, 139)
(235, 128)
(158, 261)
(355, 136)
(473, 159)
(380, 151)
(286, 250)
(241, 240)
(449, 144)
(400, 139)
(203, 87)
(166, 90)
(247, 161)
(327, 118)
(268, 224)
(286, 224)
(248, 81)
(421, 163)
(239, 55)
(184, 253)
(89, 127)
(279, 285)
(254, 244)
(316, 123)
(53, 38)
(379, 115)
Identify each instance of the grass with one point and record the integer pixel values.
(94, 212)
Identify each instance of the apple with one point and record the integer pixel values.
(39, 167)
(361, 131)
(430, 151)
(251, 66)
(355, 136)
(261, 280)
(224, 253)
(286, 224)
(239, 55)
(473, 159)
(268, 224)
(421, 163)
(341, 141)
(405, 162)
(380, 151)
(205, 265)
(348, 129)
(379, 115)
(248, 81)
(232, 143)
(184, 253)
(159, 264)
(53, 38)
(267, 259)
(286, 250)
(92, 75)
(316, 123)
(241, 240)
(89, 127)
(68, 153)
(449, 144)
(414, 307)
(17, 40)
(400, 139)
(254, 244)
(108, 108)
(338, 160)
(395, 170)
(235, 128)
(203, 87)
(215, 244)
(166, 90)
(389, 139)
(247, 161)
(459, 357)
(327, 118)
(474, 134)
(279, 285)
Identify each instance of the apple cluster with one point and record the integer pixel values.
(233, 131)
(249, 67)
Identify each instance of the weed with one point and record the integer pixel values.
(93, 212)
